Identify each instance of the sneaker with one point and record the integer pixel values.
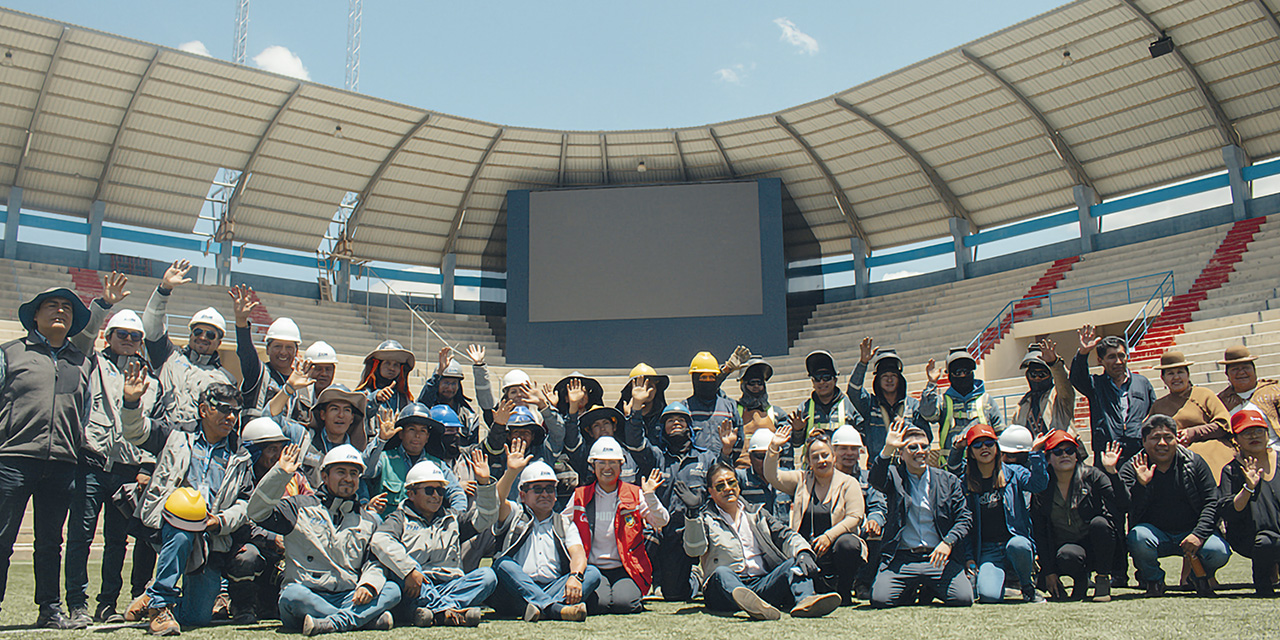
(816, 606)
(137, 609)
(384, 622)
(423, 618)
(107, 613)
(243, 615)
(469, 617)
(574, 612)
(1153, 588)
(80, 617)
(316, 626)
(1031, 596)
(52, 617)
(754, 605)
(222, 607)
(532, 613)
(1102, 590)
(163, 624)
(862, 591)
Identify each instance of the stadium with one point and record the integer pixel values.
(1004, 166)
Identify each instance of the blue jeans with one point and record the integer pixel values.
(992, 558)
(50, 484)
(193, 604)
(515, 587)
(298, 601)
(782, 587)
(469, 590)
(1148, 544)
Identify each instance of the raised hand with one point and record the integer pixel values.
(866, 350)
(780, 438)
(896, 437)
(728, 435)
(243, 301)
(1049, 351)
(1252, 470)
(547, 397)
(387, 428)
(577, 395)
(290, 459)
(135, 382)
(384, 394)
(517, 459)
(1111, 457)
(1038, 443)
(1089, 338)
(740, 355)
(796, 420)
(932, 372)
(444, 357)
(641, 393)
(475, 353)
(113, 288)
(479, 466)
(176, 275)
(502, 414)
(377, 503)
(303, 374)
(651, 483)
(1143, 469)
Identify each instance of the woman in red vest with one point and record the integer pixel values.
(609, 517)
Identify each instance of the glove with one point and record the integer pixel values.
(740, 355)
(691, 497)
(807, 564)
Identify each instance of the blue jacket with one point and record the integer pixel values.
(1018, 480)
(1105, 419)
(872, 411)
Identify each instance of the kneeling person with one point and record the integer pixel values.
(752, 560)
(421, 544)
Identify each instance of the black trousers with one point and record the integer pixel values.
(51, 485)
(840, 565)
(1095, 552)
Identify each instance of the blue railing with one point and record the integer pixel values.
(1146, 315)
(1079, 300)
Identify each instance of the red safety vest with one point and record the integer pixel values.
(628, 528)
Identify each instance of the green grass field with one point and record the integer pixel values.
(1235, 613)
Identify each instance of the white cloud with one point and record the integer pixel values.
(733, 75)
(196, 47)
(899, 274)
(803, 42)
(278, 59)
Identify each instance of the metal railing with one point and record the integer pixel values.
(1147, 314)
(1079, 300)
(416, 319)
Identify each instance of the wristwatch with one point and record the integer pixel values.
(579, 575)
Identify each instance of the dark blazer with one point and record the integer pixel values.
(1091, 494)
(951, 516)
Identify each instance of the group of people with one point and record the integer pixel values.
(276, 493)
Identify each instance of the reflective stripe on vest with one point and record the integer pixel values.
(975, 410)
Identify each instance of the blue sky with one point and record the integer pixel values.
(575, 64)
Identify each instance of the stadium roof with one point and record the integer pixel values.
(994, 131)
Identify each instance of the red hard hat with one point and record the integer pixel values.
(978, 431)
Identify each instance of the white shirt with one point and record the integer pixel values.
(604, 540)
(538, 556)
(752, 556)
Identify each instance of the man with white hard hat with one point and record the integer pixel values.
(445, 387)
(753, 487)
(185, 372)
(262, 380)
(847, 443)
(541, 563)
(330, 583)
(107, 461)
(420, 545)
(312, 374)
(204, 455)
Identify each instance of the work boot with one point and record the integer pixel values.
(384, 622)
(574, 612)
(816, 606)
(1102, 590)
(107, 613)
(316, 626)
(137, 609)
(532, 613)
(162, 623)
(52, 617)
(755, 606)
(423, 617)
(242, 613)
(1154, 588)
(222, 607)
(469, 617)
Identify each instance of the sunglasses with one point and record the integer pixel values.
(916, 448)
(724, 485)
(211, 334)
(1063, 451)
(541, 489)
(128, 336)
(984, 443)
(757, 455)
(1037, 374)
(432, 491)
(823, 377)
(225, 408)
(961, 372)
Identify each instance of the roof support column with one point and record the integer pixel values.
(1085, 197)
(861, 273)
(447, 268)
(93, 243)
(342, 288)
(225, 249)
(11, 223)
(960, 229)
(1241, 189)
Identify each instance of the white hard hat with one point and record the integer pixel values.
(127, 320)
(606, 448)
(760, 440)
(537, 471)
(209, 316)
(261, 431)
(343, 454)
(321, 353)
(1015, 439)
(284, 329)
(513, 378)
(847, 436)
(425, 471)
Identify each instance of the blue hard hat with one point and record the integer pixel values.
(522, 418)
(677, 408)
(445, 415)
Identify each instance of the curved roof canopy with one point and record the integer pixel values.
(995, 131)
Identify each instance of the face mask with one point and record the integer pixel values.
(962, 385)
(705, 391)
(1041, 385)
(678, 441)
(754, 400)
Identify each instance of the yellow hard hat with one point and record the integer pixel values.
(642, 369)
(185, 509)
(704, 362)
